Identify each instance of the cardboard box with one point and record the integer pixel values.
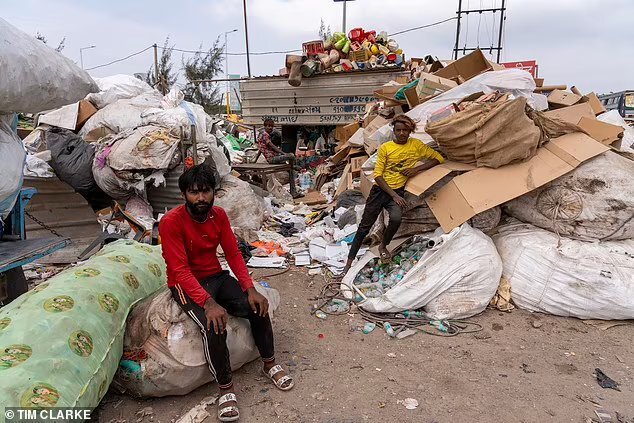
(72, 116)
(572, 114)
(595, 103)
(345, 181)
(369, 130)
(367, 180)
(356, 140)
(483, 188)
(560, 98)
(387, 92)
(357, 162)
(341, 155)
(429, 84)
(539, 82)
(443, 113)
(467, 67)
(412, 97)
(343, 133)
(605, 133)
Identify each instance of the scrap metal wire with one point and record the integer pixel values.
(422, 324)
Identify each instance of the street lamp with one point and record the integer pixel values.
(81, 56)
(227, 69)
(344, 12)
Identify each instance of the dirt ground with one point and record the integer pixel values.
(521, 367)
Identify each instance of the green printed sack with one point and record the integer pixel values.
(60, 343)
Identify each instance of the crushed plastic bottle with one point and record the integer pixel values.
(388, 329)
(438, 324)
(369, 327)
(321, 315)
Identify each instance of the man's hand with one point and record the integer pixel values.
(259, 304)
(400, 201)
(216, 315)
(412, 171)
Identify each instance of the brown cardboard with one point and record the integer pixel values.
(483, 188)
(429, 84)
(341, 155)
(343, 182)
(357, 140)
(343, 133)
(86, 110)
(595, 103)
(605, 133)
(560, 98)
(423, 181)
(357, 162)
(467, 67)
(96, 134)
(365, 185)
(376, 123)
(572, 114)
(412, 97)
(539, 82)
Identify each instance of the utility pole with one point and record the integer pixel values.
(227, 70)
(492, 10)
(246, 37)
(156, 72)
(343, 29)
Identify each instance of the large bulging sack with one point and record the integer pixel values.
(488, 134)
(146, 147)
(60, 343)
(12, 155)
(122, 114)
(455, 279)
(244, 207)
(35, 77)
(594, 201)
(167, 347)
(118, 87)
(565, 277)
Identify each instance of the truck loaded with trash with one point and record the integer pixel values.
(149, 248)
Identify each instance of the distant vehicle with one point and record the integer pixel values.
(622, 101)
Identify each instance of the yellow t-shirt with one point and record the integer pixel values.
(393, 158)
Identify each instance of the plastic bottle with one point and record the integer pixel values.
(321, 315)
(388, 329)
(369, 327)
(438, 324)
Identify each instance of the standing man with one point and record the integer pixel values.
(190, 236)
(395, 164)
(269, 144)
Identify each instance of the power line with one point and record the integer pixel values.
(423, 26)
(232, 54)
(120, 60)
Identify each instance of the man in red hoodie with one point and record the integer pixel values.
(190, 235)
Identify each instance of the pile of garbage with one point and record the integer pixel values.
(358, 50)
(515, 149)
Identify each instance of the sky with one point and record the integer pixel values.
(586, 43)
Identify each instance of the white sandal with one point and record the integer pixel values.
(279, 383)
(232, 408)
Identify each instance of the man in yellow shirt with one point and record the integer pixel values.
(396, 162)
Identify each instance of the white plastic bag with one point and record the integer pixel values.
(12, 155)
(122, 114)
(118, 87)
(35, 77)
(565, 277)
(455, 279)
(594, 201)
(517, 82)
(175, 363)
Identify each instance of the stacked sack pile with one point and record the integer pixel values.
(552, 165)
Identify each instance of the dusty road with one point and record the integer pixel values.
(521, 367)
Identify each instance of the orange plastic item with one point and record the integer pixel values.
(269, 247)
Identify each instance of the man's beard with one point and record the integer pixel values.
(200, 208)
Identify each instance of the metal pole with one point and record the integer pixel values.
(455, 49)
(344, 16)
(500, 37)
(246, 37)
(81, 58)
(227, 73)
(156, 72)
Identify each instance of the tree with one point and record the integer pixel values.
(43, 39)
(324, 32)
(166, 77)
(204, 65)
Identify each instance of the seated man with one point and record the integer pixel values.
(395, 164)
(269, 144)
(190, 235)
